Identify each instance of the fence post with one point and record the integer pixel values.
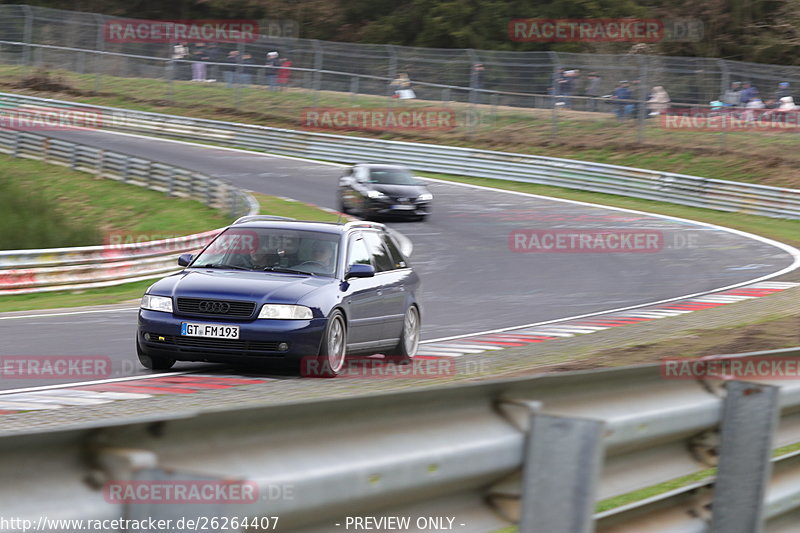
(644, 72)
(563, 458)
(553, 90)
(473, 78)
(749, 418)
(27, 36)
(725, 82)
(237, 87)
(317, 79)
(392, 65)
(100, 46)
(354, 81)
(169, 73)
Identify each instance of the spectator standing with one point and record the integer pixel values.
(621, 97)
(401, 86)
(593, 90)
(248, 69)
(755, 102)
(215, 55)
(272, 63)
(658, 101)
(233, 60)
(746, 93)
(179, 53)
(783, 91)
(476, 80)
(200, 56)
(284, 73)
(731, 97)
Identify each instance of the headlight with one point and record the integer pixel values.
(285, 312)
(424, 197)
(375, 194)
(157, 303)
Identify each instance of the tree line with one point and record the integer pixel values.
(746, 30)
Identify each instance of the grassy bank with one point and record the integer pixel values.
(49, 206)
(270, 205)
(759, 157)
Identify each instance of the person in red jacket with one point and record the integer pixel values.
(284, 72)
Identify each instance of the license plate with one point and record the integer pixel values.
(217, 331)
(403, 207)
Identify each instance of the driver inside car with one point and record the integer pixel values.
(321, 256)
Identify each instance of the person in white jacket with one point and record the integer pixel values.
(658, 101)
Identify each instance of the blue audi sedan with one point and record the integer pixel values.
(307, 294)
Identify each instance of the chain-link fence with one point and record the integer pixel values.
(688, 80)
(516, 97)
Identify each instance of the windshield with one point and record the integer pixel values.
(272, 249)
(391, 176)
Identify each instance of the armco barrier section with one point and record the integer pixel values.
(596, 177)
(42, 270)
(536, 451)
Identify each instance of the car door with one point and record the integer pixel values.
(392, 276)
(347, 192)
(363, 299)
(361, 188)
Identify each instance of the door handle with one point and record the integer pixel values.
(380, 292)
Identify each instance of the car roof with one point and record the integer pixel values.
(306, 225)
(381, 166)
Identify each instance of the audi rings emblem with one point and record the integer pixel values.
(218, 308)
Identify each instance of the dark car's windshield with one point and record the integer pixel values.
(274, 250)
(391, 176)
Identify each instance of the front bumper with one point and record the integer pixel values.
(258, 340)
(390, 207)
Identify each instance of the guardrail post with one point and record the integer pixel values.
(209, 197)
(100, 163)
(73, 156)
(15, 145)
(563, 457)
(171, 181)
(354, 86)
(749, 418)
(233, 202)
(126, 169)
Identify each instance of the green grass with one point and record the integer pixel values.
(270, 205)
(76, 298)
(760, 157)
(50, 206)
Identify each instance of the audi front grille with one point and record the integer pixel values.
(209, 307)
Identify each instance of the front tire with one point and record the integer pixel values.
(153, 362)
(332, 352)
(406, 348)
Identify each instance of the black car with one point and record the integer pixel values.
(306, 294)
(373, 190)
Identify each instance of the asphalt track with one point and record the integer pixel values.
(472, 279)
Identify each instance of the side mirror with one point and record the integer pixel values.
(360, 271)
(419, 181)
(185, 259)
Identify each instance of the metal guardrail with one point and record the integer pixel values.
(43, 270)
(535, 451)
(596, 177)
